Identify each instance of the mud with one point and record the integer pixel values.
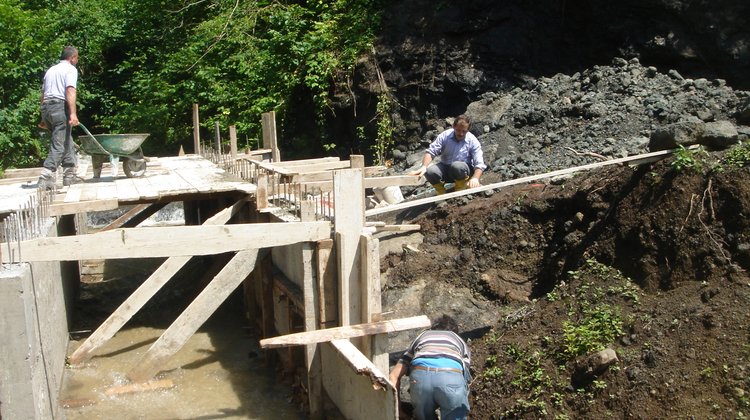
(649, 262)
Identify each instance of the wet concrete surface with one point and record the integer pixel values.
(220, 373)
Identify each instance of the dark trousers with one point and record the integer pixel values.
(61, 149)
(442, 172)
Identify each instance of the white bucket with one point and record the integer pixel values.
(391, 195)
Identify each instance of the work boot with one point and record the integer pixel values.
(46, 180)
(460, 184)
(439, 188)
(69, 177)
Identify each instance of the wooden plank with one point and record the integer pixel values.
(175, 337)
(355, 385)
(346, 332)
(323, 166)
(126, 190)
(327, 288)
(74, 193)
(137, 213)
(144, 188)
(233, 142)
(398, 228)
(60, 209)
(303, 162)
(143, 294)
(370, 171)
(371, 299)
(637, 159)
(156, 385)
(396, 180)
(196, 131)
(168, 241)
(348, 223)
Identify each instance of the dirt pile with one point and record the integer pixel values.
(649, 262)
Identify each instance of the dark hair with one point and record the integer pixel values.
(445, 322)
(68, 52)
(463, 117)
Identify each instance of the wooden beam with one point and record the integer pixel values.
(175, 337)
(61, 209)
(169, 241)
(233, 142)
(196, 131)
(143, 294)
(156, 385)
(304, 162)
(327, 285)
(397, 228)
(370, 171)
(346, 332)
(389, 181)
(636, 160)
(355, 385)
(349, 205)
(135, 216)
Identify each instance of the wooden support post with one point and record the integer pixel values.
(233, 142)
(311, 312)
(327, 284)
(357, 161)
(349, 220)
(217, 137)
(371, 299)
(196, 131)
(268, 122)
(261, 193)
(142, 295)
(172, 340)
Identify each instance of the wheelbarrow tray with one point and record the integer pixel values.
(112, 144)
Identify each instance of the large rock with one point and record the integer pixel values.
(592, 366)
(743, 113)
(684, 134)
(719, 135)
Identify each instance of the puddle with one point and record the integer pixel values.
(220, 373)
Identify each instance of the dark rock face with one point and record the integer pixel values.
(437, 57)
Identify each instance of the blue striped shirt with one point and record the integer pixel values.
(438, 349)
(452, 150)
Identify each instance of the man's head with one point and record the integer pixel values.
(445, 323)
(461, 126)
(70, 53)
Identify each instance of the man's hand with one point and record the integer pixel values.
(473, 182)
(419, 172)
(73, 120)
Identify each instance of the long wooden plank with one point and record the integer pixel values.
(304, 162)
(175, 337)
(637, 159)
(390, 181)
(144, 293)
(349, 204)
(168, 241)
(346, 332)
(356, 386)
(59, 209)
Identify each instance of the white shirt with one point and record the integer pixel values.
(58, 78)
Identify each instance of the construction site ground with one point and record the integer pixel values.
(648, 261)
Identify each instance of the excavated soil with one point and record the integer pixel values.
(650, 262)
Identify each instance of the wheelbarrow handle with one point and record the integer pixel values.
(96, 142)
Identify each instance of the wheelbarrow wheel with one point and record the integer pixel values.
(134, 167)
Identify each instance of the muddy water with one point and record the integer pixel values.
(219, 373)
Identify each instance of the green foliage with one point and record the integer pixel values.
(688, 159)
(384, 140)
(143, 64)
(598, 327)
(738, 156)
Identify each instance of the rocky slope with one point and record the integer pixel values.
(660, 252)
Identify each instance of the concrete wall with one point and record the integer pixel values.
(34, 324)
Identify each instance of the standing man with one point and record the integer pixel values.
(437, 363)
(58, 104)
(460, 156)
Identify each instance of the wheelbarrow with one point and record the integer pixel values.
(112, 147)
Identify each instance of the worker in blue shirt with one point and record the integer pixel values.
(460, 156)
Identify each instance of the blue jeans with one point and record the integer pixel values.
(445, 390)
(61, 149)
(442, 172)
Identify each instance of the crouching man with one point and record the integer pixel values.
(437, 363)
